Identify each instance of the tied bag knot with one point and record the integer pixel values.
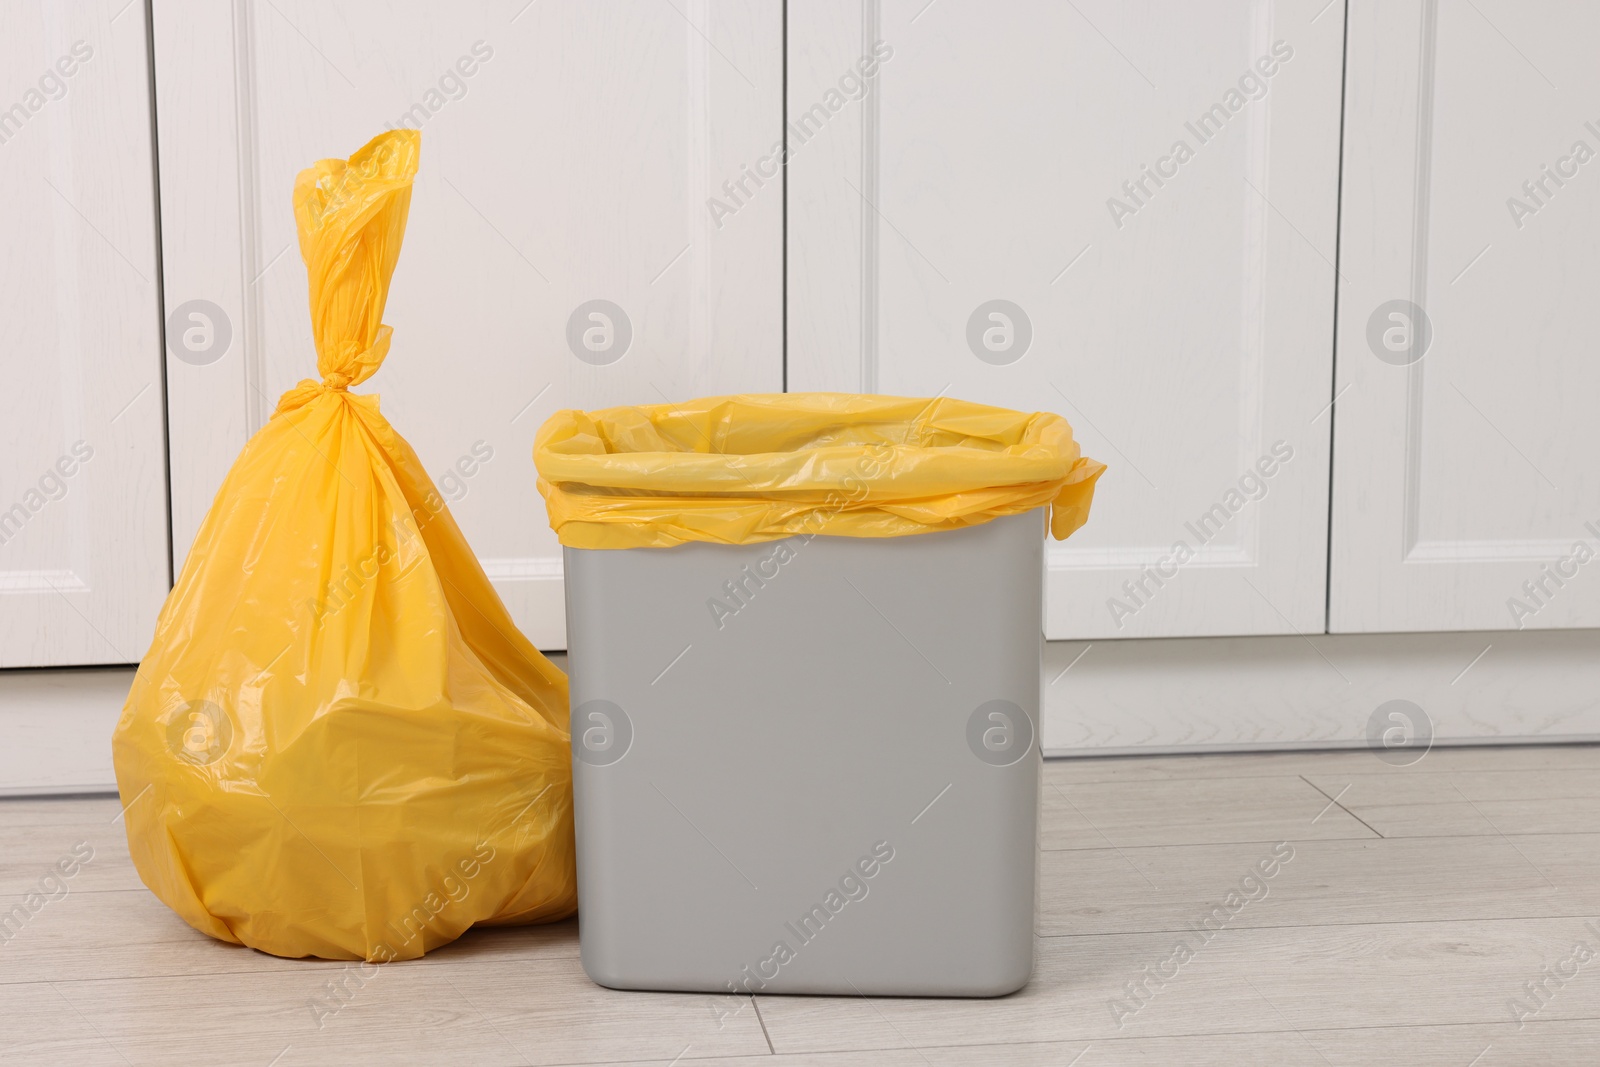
(365, 363)
(309, 389)
(351, 217)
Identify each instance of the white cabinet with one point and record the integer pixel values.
(83, 495)
(568, 153)
(1465, 491)
(1123, 213)
(1129, 213)
(1120, 212)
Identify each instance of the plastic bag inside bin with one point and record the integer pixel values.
(751, 468)
(339, 745)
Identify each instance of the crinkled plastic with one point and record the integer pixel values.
(338, 744)
(744, 469)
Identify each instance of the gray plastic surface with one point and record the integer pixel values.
(869, 698)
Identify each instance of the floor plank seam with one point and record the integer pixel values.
(424, 965)
(1111, 1039)
(1341, 807)
(757, 1005)
(1227, 844)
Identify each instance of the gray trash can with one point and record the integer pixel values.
(809, 765)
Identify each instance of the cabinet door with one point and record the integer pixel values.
(1123, 213)
(561, 251)
(83, 495)
(1464, 484)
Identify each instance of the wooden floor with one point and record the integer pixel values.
(1419, 906)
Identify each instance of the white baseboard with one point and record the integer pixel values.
(1101, 698)
(57, 728)
(1242, 694)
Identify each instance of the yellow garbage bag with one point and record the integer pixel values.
(338, 744)
(743, 469)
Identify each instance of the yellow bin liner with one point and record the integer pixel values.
(742, 469)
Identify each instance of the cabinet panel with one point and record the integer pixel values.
(569, 152)
(1463, 488)
(83, 494)
(1124, 213)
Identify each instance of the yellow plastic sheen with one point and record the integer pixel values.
(744, 469)
(339, 745)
